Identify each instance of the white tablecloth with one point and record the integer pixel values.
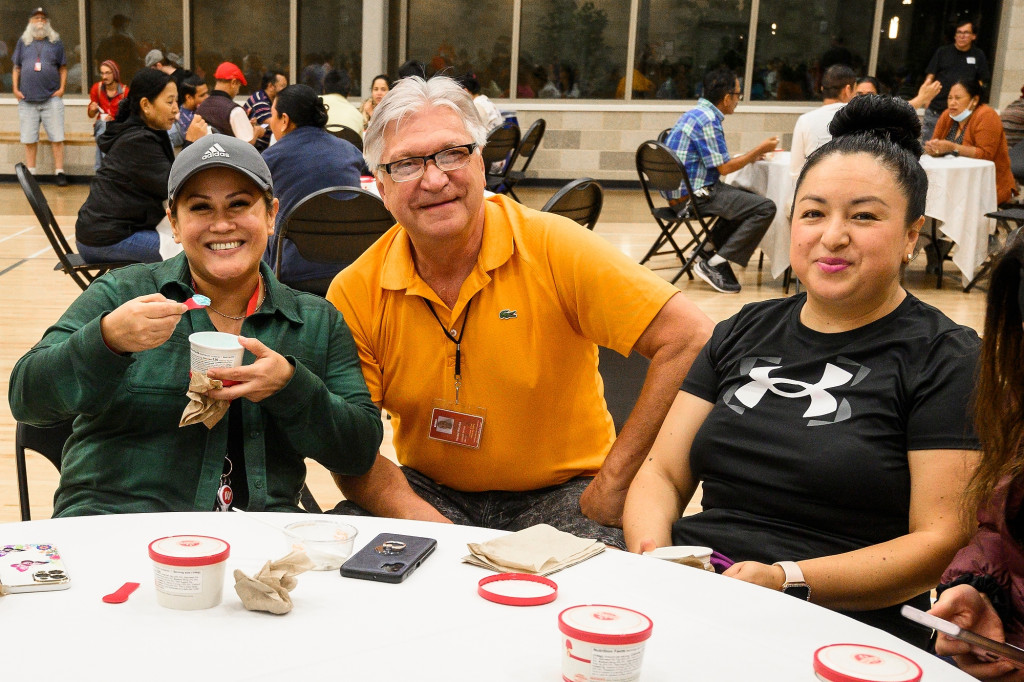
(431, 627)
(770, 178)
(960, 192)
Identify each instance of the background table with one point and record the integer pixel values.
(960, 192)
(771, 179)
(431, 627)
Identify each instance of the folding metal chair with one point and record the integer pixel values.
(347, 134)
(501, 148)
(527, 148)
(334, 225)
(1003, 217)
(69, 262)
(660, 170)
(580, 200)
(49, 441)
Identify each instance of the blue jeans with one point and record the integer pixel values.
(142, 247)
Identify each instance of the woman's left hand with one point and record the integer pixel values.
(938, 147)
(772, 577)
(262, 379)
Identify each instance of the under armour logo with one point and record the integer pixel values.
(747, 396)
(215, 150)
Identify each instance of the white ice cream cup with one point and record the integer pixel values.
(601, 642)
(215, 349)
(327, 543)
(863, 663)
(189, 571)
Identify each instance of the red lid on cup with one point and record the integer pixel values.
(189, 550)
(545, 592)
(863, 663)
(604, 624)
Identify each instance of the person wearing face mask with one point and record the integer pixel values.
(972, 129)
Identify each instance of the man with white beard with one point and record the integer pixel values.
(39, 77)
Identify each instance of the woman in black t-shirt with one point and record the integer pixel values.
(830, 430)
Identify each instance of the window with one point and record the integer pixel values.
(462, 36)
(330, 33)
(63, 19)
(253, 36)
(126, 31)
(575, 48)
(797, 41)
(912, 32)
(678, 41)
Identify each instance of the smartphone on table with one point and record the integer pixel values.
(389, 558)
(32, 568)
(1003, 650)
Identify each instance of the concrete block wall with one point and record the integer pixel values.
(79, 148)
(602, 144)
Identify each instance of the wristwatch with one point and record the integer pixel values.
(794, 585)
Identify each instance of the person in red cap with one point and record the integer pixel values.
(104, 99)
(220, 110)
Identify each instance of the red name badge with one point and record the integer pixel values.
(38, 66)
(459, 428)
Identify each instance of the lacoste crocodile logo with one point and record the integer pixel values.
(507, 314)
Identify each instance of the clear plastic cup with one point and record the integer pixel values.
(326, 542)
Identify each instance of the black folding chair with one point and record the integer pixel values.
(580, 200)
(347, 134)
(47, 441)
(663, 135)
(69, 262)
(1004, 217)
(660, 170)
(527, 148)
(502, 144)
(335, 225)
(623, 380)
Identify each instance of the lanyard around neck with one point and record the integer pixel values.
(456, 340)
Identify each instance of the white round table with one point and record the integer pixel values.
(433, 626)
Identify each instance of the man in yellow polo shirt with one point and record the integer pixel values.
(477, 323)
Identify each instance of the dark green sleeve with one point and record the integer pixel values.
(331, 419)
(70, 371)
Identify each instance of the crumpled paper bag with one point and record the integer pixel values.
(539, 550)
(268, 590)
(202, 408)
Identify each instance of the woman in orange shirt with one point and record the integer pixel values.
(969, 128)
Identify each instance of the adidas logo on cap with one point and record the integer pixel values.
(215, 150)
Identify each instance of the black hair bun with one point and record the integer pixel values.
(885, 117)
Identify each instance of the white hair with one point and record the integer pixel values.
(29, 35)
(409, 96)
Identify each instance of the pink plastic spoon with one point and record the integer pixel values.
(197, 302)
(122, 594)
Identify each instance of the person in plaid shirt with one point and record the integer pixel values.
(699, 141)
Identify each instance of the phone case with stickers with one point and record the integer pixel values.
(389, 558)
(32, 568)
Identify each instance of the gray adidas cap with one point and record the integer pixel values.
(213, 151)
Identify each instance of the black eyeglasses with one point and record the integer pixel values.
(738, 95)
(446, 160)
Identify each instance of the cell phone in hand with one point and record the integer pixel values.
(32, 568)
(1009, 652)
(389, 558)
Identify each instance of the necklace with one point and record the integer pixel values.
(263, 294)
